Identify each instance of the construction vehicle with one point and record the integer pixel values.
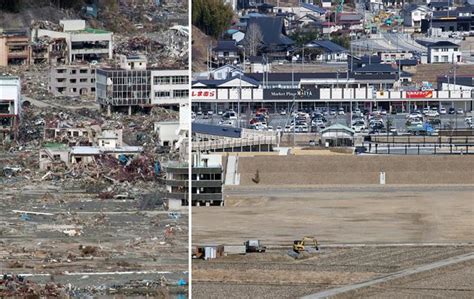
(307, 244)
(254, 246)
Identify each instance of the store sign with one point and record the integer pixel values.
(289, 94)
(202, 93)
(422, 94)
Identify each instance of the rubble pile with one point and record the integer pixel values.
(167, 48)
(19, 286)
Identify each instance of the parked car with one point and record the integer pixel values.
(442, 111)
(341, 111)
(383, 112)
(452, 110)
(333, 112)
(210, 113)
(432, 113)
(460, 111)
(283, 112)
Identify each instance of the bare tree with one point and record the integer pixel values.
(253, 40)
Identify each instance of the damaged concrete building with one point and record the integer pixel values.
(72, 80)
(10, 107)
(14, 47)
(82, 44)
(107, 142)
(133, 85)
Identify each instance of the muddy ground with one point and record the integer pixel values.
(95, 245)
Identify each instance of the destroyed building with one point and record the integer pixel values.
(107, 142)
(82, 44)
(14, 47)
(10, 97)
(206, 181)
(133, 85)
(72, 80)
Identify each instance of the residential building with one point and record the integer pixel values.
(394, 56)
(14, 47)
(133, 85)
(267, 35)
(82, 43)
(444, 52)
(72, 80)
(460, 20)
(413, 15)
(226, 52)
(225, 72)
(10, 107)
(330, 51)
(310, 9)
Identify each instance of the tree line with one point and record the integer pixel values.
(211, 16)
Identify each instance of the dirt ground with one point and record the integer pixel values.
(279, 215)
(276, 275)
(113, 236)
(365, 232)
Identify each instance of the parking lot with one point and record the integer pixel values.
(277, 121)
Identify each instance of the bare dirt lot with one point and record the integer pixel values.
(365, 232)
(362, 214)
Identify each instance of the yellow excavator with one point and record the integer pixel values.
(307, 244)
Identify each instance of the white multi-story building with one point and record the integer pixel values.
(169, 87)
(10, 103)
(133, 85)
(444, 52)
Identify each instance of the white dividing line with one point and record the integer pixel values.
(95, 273)
(399, 274)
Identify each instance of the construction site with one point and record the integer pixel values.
(332, 228)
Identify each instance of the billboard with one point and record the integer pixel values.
(290, 93)
(422, 94)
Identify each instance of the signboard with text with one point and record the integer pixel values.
(290, 93)
(421, 94)
(203, 94)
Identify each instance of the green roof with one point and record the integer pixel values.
(94, 31)
(53, 145)
(339, 127)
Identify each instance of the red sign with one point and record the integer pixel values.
(422, 94)
(203, 94)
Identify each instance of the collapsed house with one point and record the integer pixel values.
(10, 97)
(107, 142)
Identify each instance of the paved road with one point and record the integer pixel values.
(390, 277)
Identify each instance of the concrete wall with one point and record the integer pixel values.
(319, 170)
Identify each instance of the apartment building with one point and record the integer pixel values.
(10, 98)
(72, 80)
(14, 47)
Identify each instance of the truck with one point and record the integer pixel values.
(424, 129)
(254, 246)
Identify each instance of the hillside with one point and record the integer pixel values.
(200, 44)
